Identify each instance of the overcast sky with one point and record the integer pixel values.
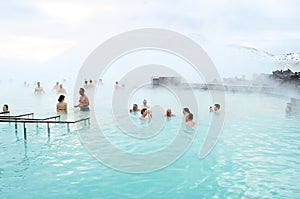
(43, 34)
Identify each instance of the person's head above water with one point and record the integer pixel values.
(217, 107)
(190, 117)
(144, 112)
(185, 111)
(81, 91)
(5, 108)
(135, 107)
(168, 112)
(61, 98)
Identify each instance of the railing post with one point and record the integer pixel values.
(48, 129)
(16, 125)
(25, 135)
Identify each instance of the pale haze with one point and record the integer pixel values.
(51, 39)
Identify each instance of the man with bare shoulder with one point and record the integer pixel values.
(189, 120)
(83, 101)
(38, 89)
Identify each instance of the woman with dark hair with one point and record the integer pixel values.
(5, 109)
(61, 106)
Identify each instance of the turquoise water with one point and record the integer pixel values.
(257, 155)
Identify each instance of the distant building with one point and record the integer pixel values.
(167, 80)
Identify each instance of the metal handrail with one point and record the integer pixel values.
(7, 112)
(34, 119)
(43, 121)
(16, 116)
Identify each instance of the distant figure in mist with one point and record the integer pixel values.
(83, 101)
(5, 109)
(288, 108)
(56, 86)
(61, 106)
(86, 85)
(117, 85)
(38, 89)
(61, 90)
(211, 109)
(145, 105)
(100, 82)
(134, 109)
(169, 113)
(26, 84)
(189, 120)
(91, 84)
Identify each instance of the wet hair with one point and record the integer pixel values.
(6, 106)
(61, 98)
(218, 106)
(135, 106)
(169, 112)
(190, 116)
(186, 110)
(82, 89)
(143, 110)
(85, 81)
(91, 81)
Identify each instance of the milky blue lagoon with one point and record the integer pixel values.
(257, 155)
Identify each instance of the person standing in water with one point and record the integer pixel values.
(61, 106)
(145, 105)
(61, 90)
(39, 89)
(83, 101)
(189, 120)
(56, 86)
(117, 86)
